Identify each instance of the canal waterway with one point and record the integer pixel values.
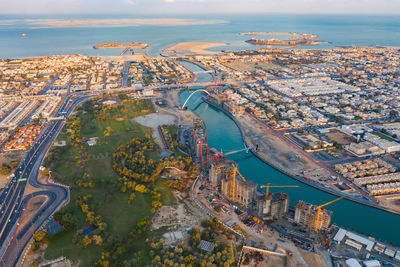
(224, 134)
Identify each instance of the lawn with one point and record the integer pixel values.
(384, 136)
(167, 198)
(120, 222)
(107, 199)
(61, 245)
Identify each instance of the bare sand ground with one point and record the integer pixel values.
(31, 208)
(314, 259)
(199, 48)
(274, 149)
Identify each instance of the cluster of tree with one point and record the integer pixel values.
(212, 229)
(40, 237)
(195, 237)
(141, 226)
(169, 135)
(6, 168)
(75, 126)
(84, 181)
(131, 160)
(156, 201)
(179, 185)
(87, 239)
(181, 163)
(91, 217)
(186, 255)
(114, 249)
(84, 184)
(128, 184)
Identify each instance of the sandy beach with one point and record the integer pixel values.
(198, 48)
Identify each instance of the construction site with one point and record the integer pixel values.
(223, 176)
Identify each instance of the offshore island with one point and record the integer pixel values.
(118, 45)
(297, 39)
(83, 135)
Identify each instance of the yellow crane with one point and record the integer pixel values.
(235, 170)
(319, 211)
(268, 186)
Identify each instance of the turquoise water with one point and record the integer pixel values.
(338, 30)
(224, 134)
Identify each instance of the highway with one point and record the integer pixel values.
(14, 239)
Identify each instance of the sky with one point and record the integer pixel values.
(199, 6)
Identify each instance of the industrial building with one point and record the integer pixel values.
(46, 108)
(18, 114)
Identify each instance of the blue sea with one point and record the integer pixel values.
(338, 30)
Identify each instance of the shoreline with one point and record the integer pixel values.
(298, 177)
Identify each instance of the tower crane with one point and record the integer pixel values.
(268, 186)
(319, 211)
(235, 170)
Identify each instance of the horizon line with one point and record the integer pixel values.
(204, 13)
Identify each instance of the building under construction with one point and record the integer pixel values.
(239, 191)
(218, 171)
(307, 214)
(224, 176)
(275, 206)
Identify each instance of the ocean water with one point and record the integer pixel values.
(338, 30)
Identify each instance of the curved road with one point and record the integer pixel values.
(14, 239)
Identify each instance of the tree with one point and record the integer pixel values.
(131, 198)
(5, 169)
(97, 239)
(41, 236)
(86, 241)
(13, 164)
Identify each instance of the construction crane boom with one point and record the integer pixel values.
(319, 211)
(268, 186)
(235, 170)
(330, 202)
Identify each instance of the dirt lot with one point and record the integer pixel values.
(274, 149)
(31, 208)
(339, 137)
(313, 259)
(6, 158)
(182, 215)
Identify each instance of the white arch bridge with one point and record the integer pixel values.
(199, 90)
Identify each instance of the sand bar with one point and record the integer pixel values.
(195, 48)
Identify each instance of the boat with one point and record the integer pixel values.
(24, 35)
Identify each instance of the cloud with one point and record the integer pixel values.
(130, 2)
